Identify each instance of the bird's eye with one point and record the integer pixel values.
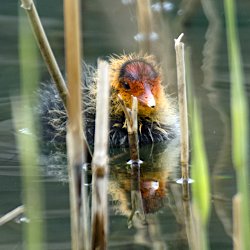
(125, 85)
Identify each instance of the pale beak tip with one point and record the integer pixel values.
(151, 103)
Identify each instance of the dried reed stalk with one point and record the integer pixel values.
(75, 146)
(132, 127)
(45, 49)
(189, 223)
(145, 25)
(237, 227)
(11, 215)
(181, 74)
(85, 197)
(136, 196)
(100, 160)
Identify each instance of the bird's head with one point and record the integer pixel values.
(137, 77)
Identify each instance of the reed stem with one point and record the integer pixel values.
(45, 49)
(240, 127)
(86, 216)
(11, 215)
(237, 227)
(75, 146)
(24, 117)
(200, 173)
(100, 161)
(145, 25)
(132, 127)
(182, 97)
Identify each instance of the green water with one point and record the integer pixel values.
(110, 27)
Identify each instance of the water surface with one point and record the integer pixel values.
(108, 28)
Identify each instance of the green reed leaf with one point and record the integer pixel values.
(239, 114)
(26, 130)
(200, 174)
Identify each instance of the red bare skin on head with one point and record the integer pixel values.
(140, 71)
(139, 78)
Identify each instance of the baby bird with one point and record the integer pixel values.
(130, 75)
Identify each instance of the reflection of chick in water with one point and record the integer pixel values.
(153, 189)
(150, 181)
(151, 185)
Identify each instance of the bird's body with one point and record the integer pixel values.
(130, 75)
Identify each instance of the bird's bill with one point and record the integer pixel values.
(147, 97)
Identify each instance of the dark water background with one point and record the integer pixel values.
(110, 27)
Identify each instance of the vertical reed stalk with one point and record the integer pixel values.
(45, 49)
(28, 147)
(75, 146)
(200, 174)
(182, 97)
(240, 127)
(136, 196)
(189, 223)
(132, 127)
(145, 26)
(100, 161)
(133, 132)
(236, 222)
(85, 223)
